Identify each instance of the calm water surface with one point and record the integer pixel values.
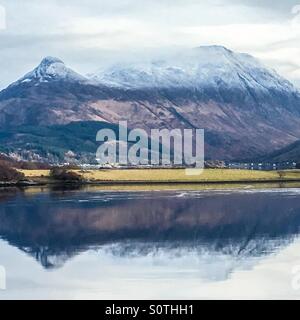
(155, 244)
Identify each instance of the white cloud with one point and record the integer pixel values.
(87, 34)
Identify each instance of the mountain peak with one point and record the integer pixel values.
(214, 48)
(51, 69)
(51, 60)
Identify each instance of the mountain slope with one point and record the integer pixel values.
(73, 142)
(288, 153)
(245, 109)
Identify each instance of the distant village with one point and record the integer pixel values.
(208, 164)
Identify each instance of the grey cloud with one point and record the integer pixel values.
(282, 8)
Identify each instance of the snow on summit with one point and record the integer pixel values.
(200, 67)
(51, 68)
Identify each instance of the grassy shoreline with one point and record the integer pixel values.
(170, 176)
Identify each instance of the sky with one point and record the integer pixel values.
(90, 34)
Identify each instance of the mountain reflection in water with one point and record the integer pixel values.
(54, 226)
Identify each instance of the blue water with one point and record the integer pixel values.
(160, 244)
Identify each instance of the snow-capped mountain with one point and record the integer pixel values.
(246, 109)
(197, 68)
(51, 69)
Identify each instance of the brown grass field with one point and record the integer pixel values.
(175, 175)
